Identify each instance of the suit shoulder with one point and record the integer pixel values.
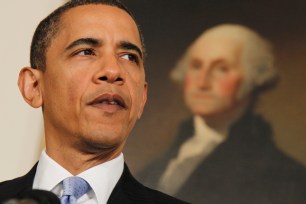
(12, 188)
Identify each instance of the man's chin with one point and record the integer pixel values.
(214, 113)
(100, 140)
(206, 112)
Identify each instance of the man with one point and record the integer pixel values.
(87, 74)
(225, 154)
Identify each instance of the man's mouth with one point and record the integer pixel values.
(109, 100)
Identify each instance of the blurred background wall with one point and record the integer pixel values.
(170, 26)
(20, 125)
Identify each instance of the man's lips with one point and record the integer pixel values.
(202, 95)
(109, 99)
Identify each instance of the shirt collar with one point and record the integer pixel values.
(102, 178)
(205, 133)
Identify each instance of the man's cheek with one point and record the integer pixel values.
(188, 82)
(229, 86)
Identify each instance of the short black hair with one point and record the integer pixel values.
(48, 28)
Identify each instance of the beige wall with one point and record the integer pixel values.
(20, 125)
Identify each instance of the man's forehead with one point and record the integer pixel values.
(217, 46)
(90, 20)
(92, 11)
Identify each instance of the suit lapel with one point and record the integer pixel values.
(128, 190)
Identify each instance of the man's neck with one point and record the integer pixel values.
(77, 160)
(222, 122)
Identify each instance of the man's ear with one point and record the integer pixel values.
(30, 87)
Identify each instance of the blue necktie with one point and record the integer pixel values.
(74, 188)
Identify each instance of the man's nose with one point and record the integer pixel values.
(110, 71)
(204, 79)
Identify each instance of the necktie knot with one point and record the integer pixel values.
(74, 188)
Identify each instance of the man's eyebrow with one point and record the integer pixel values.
(130, 46)
(84, 41)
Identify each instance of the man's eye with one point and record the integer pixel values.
(131, 57)
(222, 69)
(195, 65)
(85, 52)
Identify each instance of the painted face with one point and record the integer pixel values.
(94, 85)
(214, 75)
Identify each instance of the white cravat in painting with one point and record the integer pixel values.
(191, 153)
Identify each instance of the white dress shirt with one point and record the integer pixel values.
(190, 155)
(101, 178)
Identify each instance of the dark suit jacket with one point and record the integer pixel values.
(246, 168)
(127, 190)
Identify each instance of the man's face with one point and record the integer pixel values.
(94, 85)
(214, 75)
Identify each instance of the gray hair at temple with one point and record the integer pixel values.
(258, 61)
